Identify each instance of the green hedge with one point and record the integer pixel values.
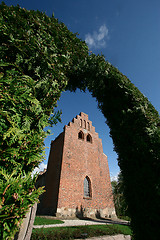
(135, 129)
(79, 232)
(36, 52)
(39, 56)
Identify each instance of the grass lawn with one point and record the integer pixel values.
(124, 218)
(68, 233)
(46, 221)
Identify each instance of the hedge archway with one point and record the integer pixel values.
(40, 58)
(135, 130)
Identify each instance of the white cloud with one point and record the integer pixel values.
(97, 39)
(40, 168)
(114, 177)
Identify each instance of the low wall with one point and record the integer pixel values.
(85, 212)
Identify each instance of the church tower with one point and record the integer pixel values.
(77, 180)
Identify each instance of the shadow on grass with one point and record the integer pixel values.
(81, 215)
(80, 232)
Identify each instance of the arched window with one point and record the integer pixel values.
(80, 122)
(85, 124)
(81, 135)
(88, 126)
(89, 138)
(87, 187)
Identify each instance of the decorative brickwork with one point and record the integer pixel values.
(77, 177)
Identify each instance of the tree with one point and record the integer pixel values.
(118, 189)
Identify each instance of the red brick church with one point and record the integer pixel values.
(77, 180)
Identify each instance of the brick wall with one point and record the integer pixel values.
(49, 200)
(71, 160)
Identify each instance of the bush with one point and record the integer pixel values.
(36, 52)
(135, 129)
(79, 232)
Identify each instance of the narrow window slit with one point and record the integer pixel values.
(81, 135)
(87, 187)
(89, 138)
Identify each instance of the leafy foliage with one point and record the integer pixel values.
(135, 129)
(79, 232)
(18, 193)
(118, 188)
(36, 53)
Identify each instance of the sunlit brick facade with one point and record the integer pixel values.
(77, 180)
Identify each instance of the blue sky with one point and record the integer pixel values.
(127, 33)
